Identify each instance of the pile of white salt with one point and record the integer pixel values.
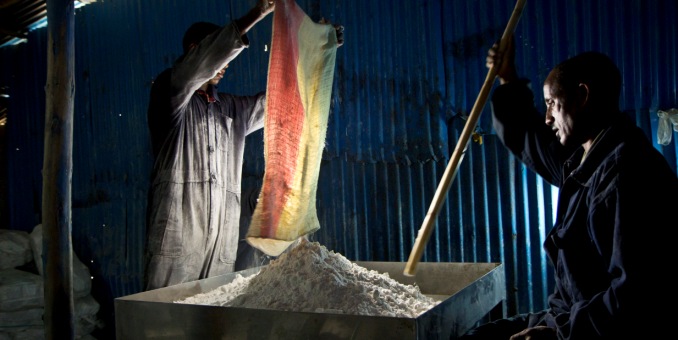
(309, 278)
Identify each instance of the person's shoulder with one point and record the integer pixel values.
(163, 77)
(633, 138)
(636, 151)
(165, 73)
(161, 83)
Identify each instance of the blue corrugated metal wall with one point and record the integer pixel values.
(405, 81)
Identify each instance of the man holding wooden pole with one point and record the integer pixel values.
(615, 215)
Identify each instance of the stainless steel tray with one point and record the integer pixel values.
(467, 291)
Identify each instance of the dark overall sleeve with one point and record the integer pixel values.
(524, 132)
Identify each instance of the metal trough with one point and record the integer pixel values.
(468, 292)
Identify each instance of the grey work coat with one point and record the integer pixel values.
(198, 142)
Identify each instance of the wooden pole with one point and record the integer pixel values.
(57, 172)
(459, 151)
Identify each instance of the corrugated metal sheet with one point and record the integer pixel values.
(18, 17)
(405, 80)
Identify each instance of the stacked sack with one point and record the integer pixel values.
(22, 297)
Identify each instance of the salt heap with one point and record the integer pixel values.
(309, 278)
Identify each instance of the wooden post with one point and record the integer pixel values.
(57, 172)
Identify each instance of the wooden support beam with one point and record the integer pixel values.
(57, 172)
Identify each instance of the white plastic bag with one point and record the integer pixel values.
(666, 119)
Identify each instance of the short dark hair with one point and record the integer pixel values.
(196, 32)
(595, 69)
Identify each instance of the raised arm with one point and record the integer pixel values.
(254, 15)
(506, 60)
